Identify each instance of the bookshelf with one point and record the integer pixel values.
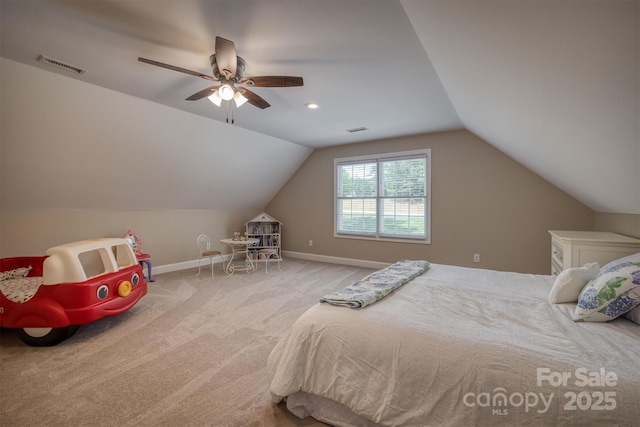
(268, 231)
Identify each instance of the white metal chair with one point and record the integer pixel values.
(204, 245)
(271, 253)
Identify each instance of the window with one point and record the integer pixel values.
(383, 197)
(91, 263)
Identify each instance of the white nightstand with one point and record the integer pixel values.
(576, 248)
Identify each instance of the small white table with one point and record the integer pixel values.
(239, 247)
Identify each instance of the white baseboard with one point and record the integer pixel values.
(336, 260)
(167, 268)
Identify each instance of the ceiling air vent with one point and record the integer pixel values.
(61, 65)
(356, 130)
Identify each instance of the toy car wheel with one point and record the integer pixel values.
(46, 337)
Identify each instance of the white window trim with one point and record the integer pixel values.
(425, 152)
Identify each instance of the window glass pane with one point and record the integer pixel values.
(403, 178)
(357, 180)
(357, 216)
(403, 216)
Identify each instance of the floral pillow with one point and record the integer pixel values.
(611, 293)
(570, 282)
(16, 273)
(633, 258)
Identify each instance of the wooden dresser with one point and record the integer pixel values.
(576, 248)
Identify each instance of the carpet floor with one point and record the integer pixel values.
(192, 352)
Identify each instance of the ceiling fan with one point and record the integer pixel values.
(228, 69)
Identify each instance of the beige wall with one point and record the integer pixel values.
(168, 235)
(627, 224)
(482, 202)
(79, 161)
(66, 144)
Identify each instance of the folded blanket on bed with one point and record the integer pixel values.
(377, 285)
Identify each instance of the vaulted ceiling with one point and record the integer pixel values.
(553, 84)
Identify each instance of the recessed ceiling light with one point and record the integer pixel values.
(311, 105)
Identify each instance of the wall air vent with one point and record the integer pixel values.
(61, 65)
(356, 130)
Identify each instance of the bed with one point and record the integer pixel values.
(459, 347)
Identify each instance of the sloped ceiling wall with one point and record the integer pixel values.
(554, 85)
(72, 145)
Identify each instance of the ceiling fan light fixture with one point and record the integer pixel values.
(215, 98)
(239, 99)
(226, 92)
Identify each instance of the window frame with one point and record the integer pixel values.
(377, 158)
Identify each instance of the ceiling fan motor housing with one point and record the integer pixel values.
(219, 76)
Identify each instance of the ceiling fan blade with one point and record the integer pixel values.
(254, 99)
(203, 93)
(272, 81)
(226, 57)
(179, 69)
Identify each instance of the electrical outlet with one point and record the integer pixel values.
(310, 242)
(476, 257)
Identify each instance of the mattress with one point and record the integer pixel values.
(461, 346)
(20, 289)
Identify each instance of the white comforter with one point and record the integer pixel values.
(460, 346)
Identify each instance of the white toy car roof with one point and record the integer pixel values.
(79, 261)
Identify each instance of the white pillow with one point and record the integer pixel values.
(611, 293)
(570, 282)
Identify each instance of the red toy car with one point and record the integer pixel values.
(48, 297)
